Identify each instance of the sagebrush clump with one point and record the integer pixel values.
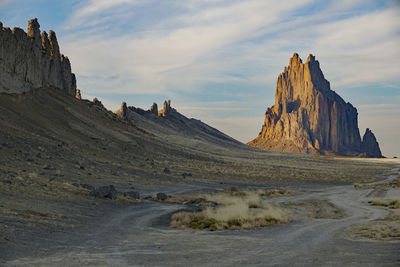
(235, 210)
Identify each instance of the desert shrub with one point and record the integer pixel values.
(232, 212)
(394, 203)
(378, 202)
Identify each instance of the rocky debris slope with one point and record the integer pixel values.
(369, 145)
(169, 122)
(33, 60)
(308, 116)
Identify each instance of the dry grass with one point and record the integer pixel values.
(235, 211)
(387, 228)
(393, 204)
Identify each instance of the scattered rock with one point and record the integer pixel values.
(48, 167)
(167, 171)
(7, 181)
(161, 196)
(184, 175)
(107, 191)
(132, 194)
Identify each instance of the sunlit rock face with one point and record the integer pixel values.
(308, 116)
(32, 60)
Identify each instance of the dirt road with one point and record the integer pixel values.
(139, 236)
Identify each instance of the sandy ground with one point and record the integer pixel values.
(139, 235)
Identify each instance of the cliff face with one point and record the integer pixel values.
(369, 146)
(308, 116)
(32, 60)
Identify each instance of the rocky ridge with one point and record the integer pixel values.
(308, 116)
(33, 60)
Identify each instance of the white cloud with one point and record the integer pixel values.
(246, 43)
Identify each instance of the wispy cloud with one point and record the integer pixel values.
(170, 48)
(4, 2)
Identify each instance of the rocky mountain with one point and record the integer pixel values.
(32, 60)
(369, 145)
(308, 116)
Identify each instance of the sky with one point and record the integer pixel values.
(218, 60)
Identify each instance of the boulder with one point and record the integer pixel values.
(132, 194)
(107, 191)
(161, 196)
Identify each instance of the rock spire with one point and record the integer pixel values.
(307, 115)
(369, 145)
(32, 60)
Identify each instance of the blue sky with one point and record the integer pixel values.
(219, 60)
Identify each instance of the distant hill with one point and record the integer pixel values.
(169, 123)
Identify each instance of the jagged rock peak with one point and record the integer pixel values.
(295, 60)
(33, 30)
(167, 108)
(310, 58)
(308, 116)
(123, 109)
(33, 60)
(369, 145)
(154, 109)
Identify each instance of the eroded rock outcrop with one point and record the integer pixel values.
(32, 60)
(369, 145)
(154, 109)
(167, 108)
(308, 116)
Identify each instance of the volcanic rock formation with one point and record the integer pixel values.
(308, 116)
(369, 145)
(33, 60)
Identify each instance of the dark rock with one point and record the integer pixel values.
(88, 187)
(30, 159)
(7, 181)
(107, 191)
(184, 175)
(161, 196)
(132, 194)
(76, 184)
(154, 109)
(48, 167)
(369, 145)
(167, 171)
